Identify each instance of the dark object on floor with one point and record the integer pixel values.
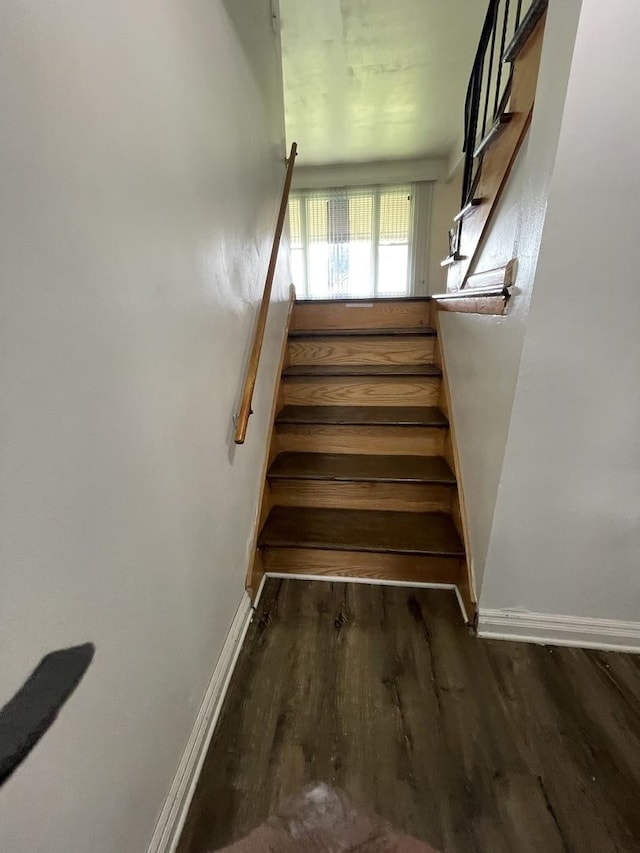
(26, 717)
(470, 745)
(321, 819)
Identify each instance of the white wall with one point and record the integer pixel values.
(482, 356)
(142, 165)
(482, 352)
(565, 536)
(445, 203)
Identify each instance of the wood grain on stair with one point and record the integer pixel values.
(362, 530)
(361, 350)
(362, 467)
(361, 391)
(296, 370)
(426, 416)
(406, 568)
(354, 438)
(359, 485)
(386, 332)
(361, 314)
(330, 494)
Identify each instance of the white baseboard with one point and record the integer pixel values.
(557, 630)
(375, 581)
(301, 576)
(171, 821)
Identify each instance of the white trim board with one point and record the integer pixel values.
(374, 581)
(369, 174)
(174, 813)
(557, 630)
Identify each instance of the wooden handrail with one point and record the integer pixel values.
(242, 417)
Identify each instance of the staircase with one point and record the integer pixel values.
(498, 111)
(360, 482)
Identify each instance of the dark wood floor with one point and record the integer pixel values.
(471, 745)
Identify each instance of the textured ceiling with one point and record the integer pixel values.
(376, 79)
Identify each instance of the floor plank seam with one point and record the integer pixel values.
(553, 814)
(492, 746)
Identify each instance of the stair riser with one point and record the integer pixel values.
(405, 497)
(388, 314)
(315, 438)
(366, 566)
(355, 391)
(362, 351)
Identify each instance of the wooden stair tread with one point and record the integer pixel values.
(307, 370)
(361, 467)
(424, 416)
(410, 331)
(362, 300)
(415, 533)
(425, 331)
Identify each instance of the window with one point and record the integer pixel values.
(351, 242)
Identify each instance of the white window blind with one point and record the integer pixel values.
(351, 242)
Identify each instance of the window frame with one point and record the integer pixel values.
(376, 191)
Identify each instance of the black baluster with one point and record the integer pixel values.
(473, 98)
(494, 28)
(503, 40)
(518, 11)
